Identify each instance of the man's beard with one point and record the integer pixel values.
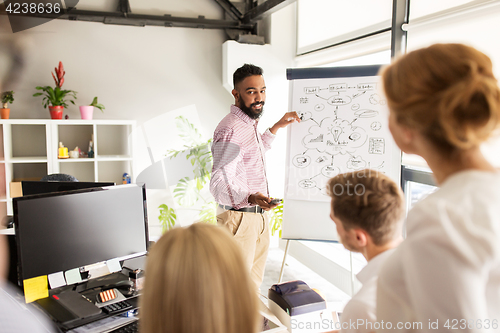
(249, 112)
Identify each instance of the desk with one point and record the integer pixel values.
(266, 312)
(114, 322)
(70, 309)
(104, 325)
(313, 322)
(102, 320)
(9, 231)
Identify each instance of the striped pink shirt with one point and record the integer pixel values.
(239, 166)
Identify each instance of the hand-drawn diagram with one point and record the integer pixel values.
(343, 128)
(377, 146)
(376, 125)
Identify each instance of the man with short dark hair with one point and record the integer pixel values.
(239, 183)
(368, 210)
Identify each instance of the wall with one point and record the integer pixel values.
(140, 73)
(152, 75)
(137, 72)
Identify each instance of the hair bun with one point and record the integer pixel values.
(468, 110)
(446, 91)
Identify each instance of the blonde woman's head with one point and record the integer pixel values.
(447, 92)
(196, 281)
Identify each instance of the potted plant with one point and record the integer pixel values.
(56, 97)
(7, 97)
(86, 111)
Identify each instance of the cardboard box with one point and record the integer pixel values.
(26, 178)
(16, 190)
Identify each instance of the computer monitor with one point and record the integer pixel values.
(56, 232)
(40, 187)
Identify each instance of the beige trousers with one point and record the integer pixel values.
(251, 232)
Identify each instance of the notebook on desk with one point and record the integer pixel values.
(76, 304)
(108, 325)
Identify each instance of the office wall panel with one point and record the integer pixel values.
(326, 22)
(477, 26)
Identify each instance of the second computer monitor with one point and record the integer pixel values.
(42, 187)
(57, 232)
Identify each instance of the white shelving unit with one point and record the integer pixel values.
(29, 149)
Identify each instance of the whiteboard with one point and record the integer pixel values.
(343, 128)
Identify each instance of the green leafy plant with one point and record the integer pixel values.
(276, 219)
(97, 105)
(188, 133)
(208, 212)
(167, 217)
(56, 96)
(7, 97)
(188, 191)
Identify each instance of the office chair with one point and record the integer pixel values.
(59, 177)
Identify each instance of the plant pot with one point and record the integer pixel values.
(5, 113)
(56, 112)
(86, 111)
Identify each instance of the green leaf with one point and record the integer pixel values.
(99, 106)
(208, 213)
(186, 192)
(276, 219)
(167, 217)
(52, 96)
(173, 153)
(7, 97)
(55, 96)
(188, 132)
(199, 184)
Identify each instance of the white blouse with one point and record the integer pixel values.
(446, 275)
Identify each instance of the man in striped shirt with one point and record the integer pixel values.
(239, 183)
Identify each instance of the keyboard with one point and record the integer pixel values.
(132, 327)
(116, 307)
